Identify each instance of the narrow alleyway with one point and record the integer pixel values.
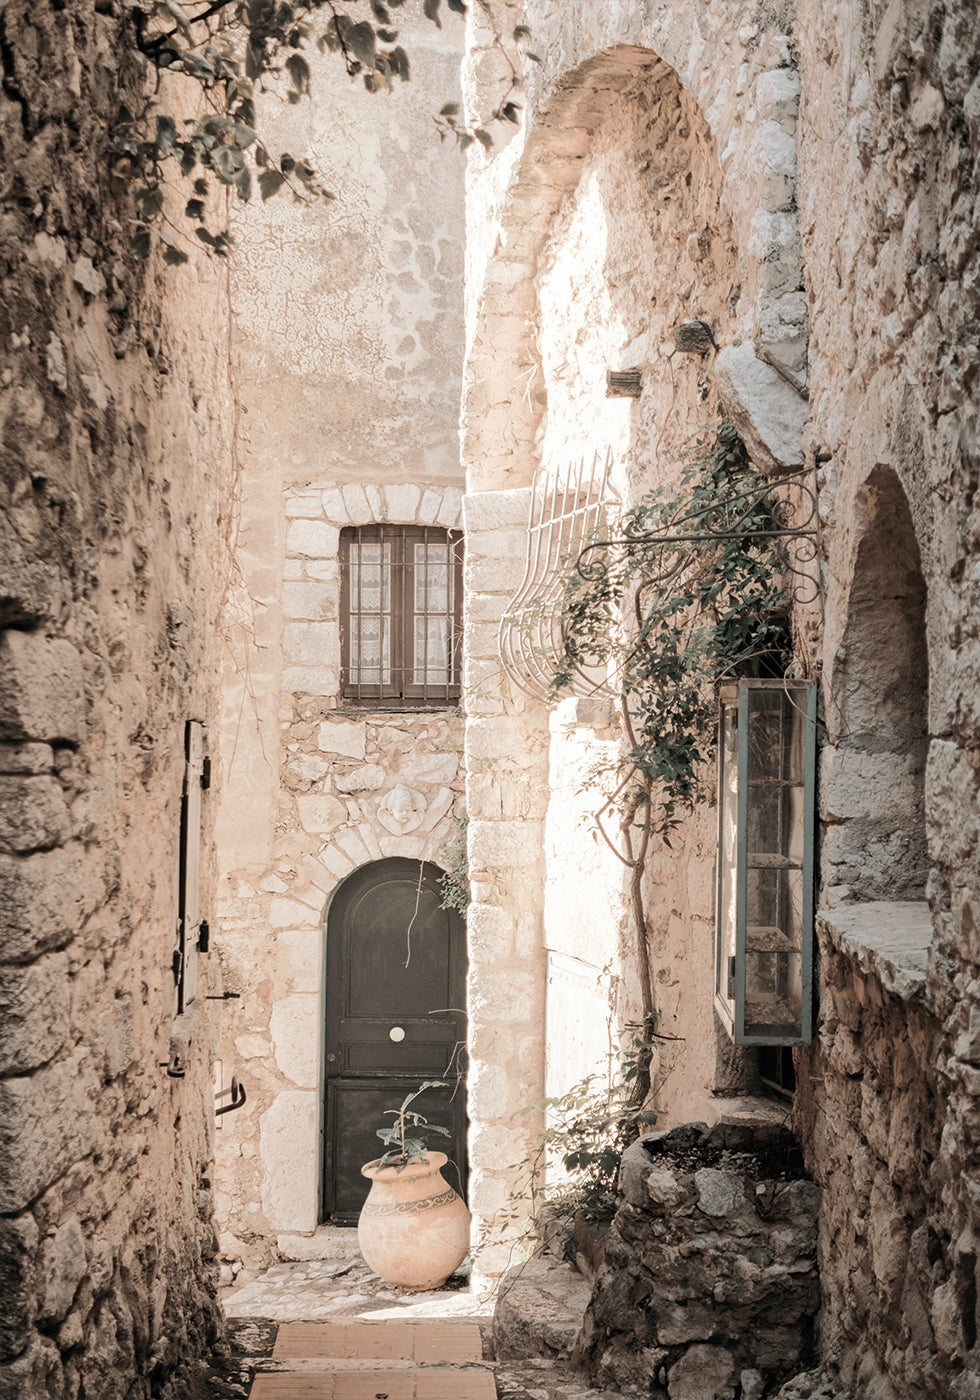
(332, 1330)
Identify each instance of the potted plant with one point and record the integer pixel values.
(413, 1229)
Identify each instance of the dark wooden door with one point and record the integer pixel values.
(395, 1016)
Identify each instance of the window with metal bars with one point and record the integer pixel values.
(401, 615)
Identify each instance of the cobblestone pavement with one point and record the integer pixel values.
(330, 1290)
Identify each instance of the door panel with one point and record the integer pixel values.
(384, 916)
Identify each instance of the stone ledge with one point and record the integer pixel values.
(887, 939)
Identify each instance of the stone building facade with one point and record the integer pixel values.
(803, 179)
(350, 324)
(115, 478)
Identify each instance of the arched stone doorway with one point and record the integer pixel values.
(394, 1016)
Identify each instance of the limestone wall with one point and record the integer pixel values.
(889, 122)
(650, 183)
(349, 318)
(115, 500)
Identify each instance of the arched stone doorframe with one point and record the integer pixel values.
(750, 109)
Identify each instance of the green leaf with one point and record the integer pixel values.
(228, 163)
(243, 184)
(174, 10)
(166, 138)
(361, 41)
(243, 135)
(197, 66)
(270, 183)
(457, 6)
(299, 73)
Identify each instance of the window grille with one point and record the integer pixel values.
(568, 511)
(401, 615)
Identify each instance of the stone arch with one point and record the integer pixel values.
(875, 790)
(754, 139)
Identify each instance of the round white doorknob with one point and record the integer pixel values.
(396, 1033)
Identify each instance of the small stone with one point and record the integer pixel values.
(718, 1192)
(704, 1372)
(87, 276)
(753, 1385)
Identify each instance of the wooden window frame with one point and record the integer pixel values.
(401, 691)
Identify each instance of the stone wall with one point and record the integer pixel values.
(864, 123)
(349, 316)
(114, 492)
(650, 183)
(889, 121)
(709, 1287)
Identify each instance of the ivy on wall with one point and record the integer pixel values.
(692, 589)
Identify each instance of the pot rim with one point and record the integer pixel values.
(414, 1167)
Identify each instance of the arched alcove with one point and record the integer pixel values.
(874, 793)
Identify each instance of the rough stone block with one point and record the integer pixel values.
(40, 902)
(294, 1029)
(703, 1373)
(430, 768)
(63, 1266)
(320, 813)
(34, 1011)
(29, 589)
(768, 413)
(40, 1119)
(366, 779)
(41, 692)
(33, 814)
(502, 843)
(289, 1135)
(18, 1287)
(26, 758)
(497, 510)
(344, 737)
(312, 539)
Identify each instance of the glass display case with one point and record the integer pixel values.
(764, 902)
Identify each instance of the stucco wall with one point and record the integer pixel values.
(115, 500)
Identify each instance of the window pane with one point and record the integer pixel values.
(433, 578)
(370, 651)
(727, 853)
(370, 566)
(432, 650)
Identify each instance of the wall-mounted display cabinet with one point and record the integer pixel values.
(766, 810)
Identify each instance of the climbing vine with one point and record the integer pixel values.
(690, 591)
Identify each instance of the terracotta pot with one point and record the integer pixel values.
(413, 1229)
